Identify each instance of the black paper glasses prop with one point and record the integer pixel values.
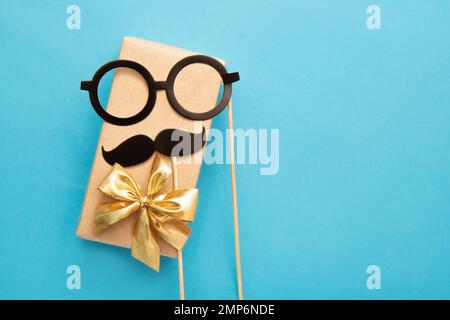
(168, 86)
(153, 86)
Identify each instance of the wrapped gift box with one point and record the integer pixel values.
(198, 88)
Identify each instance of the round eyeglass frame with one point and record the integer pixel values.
(153, 86)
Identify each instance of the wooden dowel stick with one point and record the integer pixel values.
(180, 255)
(180, 274)
(235, 207)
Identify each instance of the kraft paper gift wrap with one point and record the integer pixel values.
(197, 86)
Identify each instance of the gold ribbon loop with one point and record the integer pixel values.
(180, 204)
(164, 215)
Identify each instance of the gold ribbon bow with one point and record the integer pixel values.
(161, 216)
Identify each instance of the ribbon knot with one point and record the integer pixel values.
(161, 216)
(144, 202)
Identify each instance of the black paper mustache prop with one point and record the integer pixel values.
(169, 142)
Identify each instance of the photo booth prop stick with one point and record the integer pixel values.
(137, 149)
(235, 206)
(179, 252)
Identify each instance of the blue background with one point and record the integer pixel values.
(364, 149)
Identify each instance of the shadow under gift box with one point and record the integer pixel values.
(198, 87)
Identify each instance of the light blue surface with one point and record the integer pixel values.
(364, 119)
